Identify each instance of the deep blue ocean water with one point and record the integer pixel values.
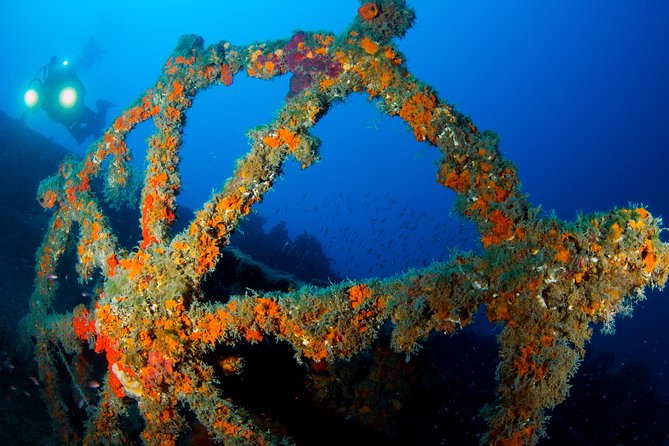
(577, 90)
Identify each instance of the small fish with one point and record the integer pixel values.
(25, 392)
(34, 380)
(8, 364)
(93, 384)
(52, 276)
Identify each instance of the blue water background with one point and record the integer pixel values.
(577, 90)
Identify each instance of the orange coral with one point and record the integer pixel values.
(83, 323)
(290, 138)
(642, 212)
(417, 112)
(369, 45)
(177, 91)
(272, 141)
(283, 136)
(358, 294)
(562, 255)
(368, 11)
(616, 233)
(648, 257)
(459, 182)
(266, 310)
(49, 199)
(133, 265)
(172, 113)
(252, 335)
(231, 365)
(501, 230)
(112, 261)
(524, 364)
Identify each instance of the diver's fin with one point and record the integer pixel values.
(103, 104)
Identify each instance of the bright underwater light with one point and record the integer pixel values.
(31, 97)
(67, 97)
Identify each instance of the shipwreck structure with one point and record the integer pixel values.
(546, 281)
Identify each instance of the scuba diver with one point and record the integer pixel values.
(58, 90)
